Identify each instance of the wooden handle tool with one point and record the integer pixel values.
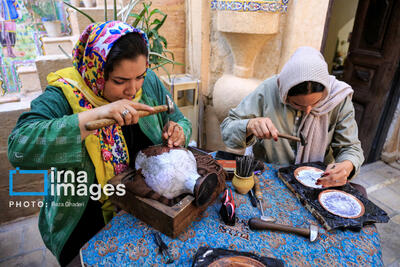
(290, 137)
(257, 188)
(258, 193)
(169, 108)
(97, 124)
(300, 139)
(257, 224)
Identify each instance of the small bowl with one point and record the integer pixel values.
(243, 184)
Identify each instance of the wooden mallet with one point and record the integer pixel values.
(300, 139)
(97, 124)
(311, 232)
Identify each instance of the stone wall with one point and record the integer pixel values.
(302, 25)
(174, 30)
(50, 63)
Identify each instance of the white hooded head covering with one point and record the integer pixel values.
(308, 64)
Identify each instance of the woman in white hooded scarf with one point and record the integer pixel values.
(302, 99)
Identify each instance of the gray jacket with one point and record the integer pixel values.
(264, 101)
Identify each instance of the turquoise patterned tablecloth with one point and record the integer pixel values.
(126, 241)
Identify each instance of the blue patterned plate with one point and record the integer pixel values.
(341, 203)
(308, 176)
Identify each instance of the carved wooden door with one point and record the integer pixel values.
(371, 65)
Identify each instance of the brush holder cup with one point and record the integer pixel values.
(243, 184)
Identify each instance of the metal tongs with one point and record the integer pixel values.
(163, 248)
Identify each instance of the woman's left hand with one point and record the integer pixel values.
(173, 132)
(336, 174)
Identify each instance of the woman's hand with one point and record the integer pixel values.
(123, 111)
(173, 132)
(336, 174)
(262, 128)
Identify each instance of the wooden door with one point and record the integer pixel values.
(371, 66)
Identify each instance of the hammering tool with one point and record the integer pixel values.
(300, 139)
(257, 224)
(258, 193)
(169, 108)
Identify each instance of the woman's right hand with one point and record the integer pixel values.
(114, 110)
(262, 128)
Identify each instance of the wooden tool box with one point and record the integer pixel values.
(169, 220)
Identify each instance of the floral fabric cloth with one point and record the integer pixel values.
(126, 241)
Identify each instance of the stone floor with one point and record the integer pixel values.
(382, 182)
(21, 244)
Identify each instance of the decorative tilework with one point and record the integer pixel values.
(272, 6)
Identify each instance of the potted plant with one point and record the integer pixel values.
(147, 21)
(45, 11)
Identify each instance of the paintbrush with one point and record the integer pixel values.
(245, 166)
(325, 174)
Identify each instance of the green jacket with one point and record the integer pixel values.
(264, 101)
(49, 136)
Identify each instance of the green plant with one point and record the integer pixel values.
(146, 20)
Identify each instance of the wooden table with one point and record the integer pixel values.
(126, 241)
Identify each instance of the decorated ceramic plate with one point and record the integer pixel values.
(308, 176)
(341, 203)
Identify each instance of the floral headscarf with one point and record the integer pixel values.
(90, 53)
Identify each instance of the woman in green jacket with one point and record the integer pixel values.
(109, 79)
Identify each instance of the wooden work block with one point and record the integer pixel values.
(170, 221)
